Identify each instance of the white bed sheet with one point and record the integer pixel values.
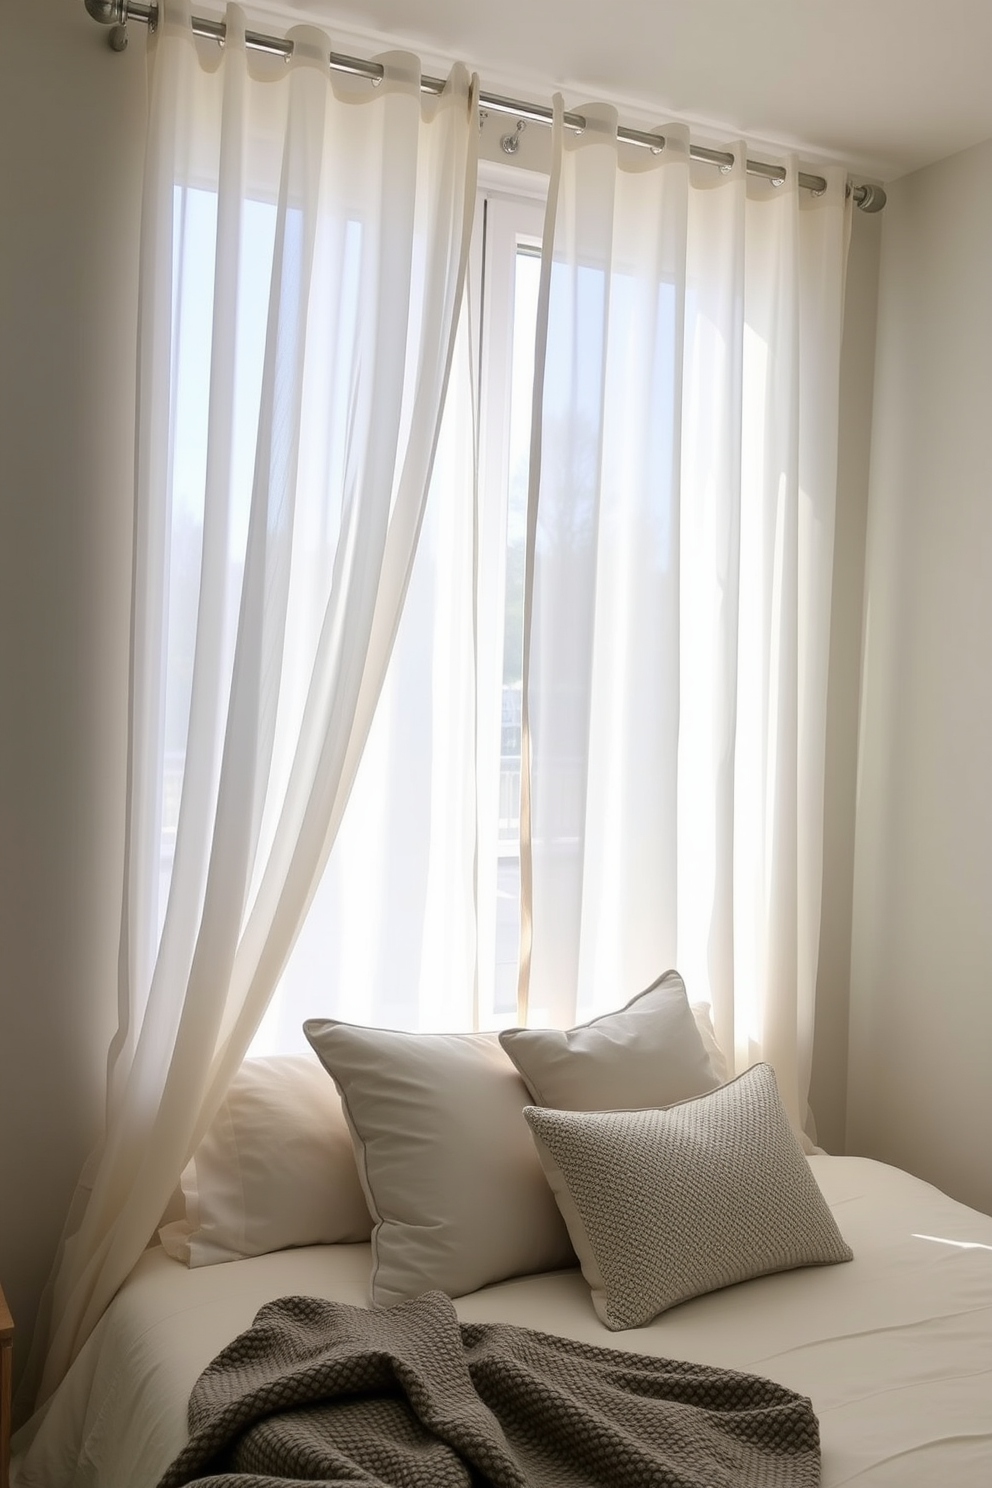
(894, 1348)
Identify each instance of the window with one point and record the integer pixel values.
(511, 275)
(344, 944)
(396, 899)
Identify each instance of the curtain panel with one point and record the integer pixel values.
(304, 247)
(680, 544)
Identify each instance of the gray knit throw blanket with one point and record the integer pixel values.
(408, 1397)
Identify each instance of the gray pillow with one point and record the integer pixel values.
(649, 1053)
(664, 1205)
(448, 1168)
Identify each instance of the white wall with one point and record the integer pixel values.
(920, 1092)
(70, 140)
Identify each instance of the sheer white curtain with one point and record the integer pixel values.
(390, 938)
(681, 517)
(304, 246)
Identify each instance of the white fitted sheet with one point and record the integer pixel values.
(894, 1348)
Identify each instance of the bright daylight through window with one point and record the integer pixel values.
(375, 855)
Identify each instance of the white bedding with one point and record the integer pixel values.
(894, 1348)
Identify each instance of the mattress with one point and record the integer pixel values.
(894, 1349)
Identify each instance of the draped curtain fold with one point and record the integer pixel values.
(304, 248)
(680, 544)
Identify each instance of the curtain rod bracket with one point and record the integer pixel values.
(510, 143)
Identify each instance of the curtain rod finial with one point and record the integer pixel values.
(869, 198)
(107, 12)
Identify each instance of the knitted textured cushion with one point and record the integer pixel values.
(664, 1205)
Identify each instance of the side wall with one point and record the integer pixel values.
(71, 132)
(828, 1086)
(921, 989)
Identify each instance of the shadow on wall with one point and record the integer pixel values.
(71, 137)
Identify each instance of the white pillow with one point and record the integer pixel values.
(445, 1158)
(276, 1169)
(663, 1205)
(649, 1053)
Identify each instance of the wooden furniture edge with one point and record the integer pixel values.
(6, 1370)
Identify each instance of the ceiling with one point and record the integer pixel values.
(883, 86)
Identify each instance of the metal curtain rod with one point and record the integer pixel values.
(117, 13)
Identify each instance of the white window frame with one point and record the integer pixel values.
(510, 215)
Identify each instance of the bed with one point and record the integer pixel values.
(893, 1347)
